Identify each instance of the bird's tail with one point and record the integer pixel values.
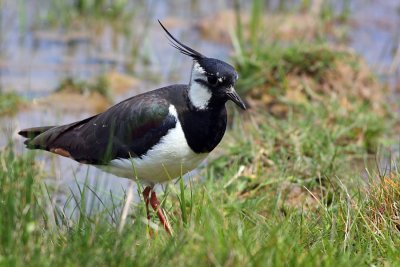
(35, 131)
(31, 133)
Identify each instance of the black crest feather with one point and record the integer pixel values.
(184, 49)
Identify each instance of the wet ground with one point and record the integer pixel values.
(35, 57)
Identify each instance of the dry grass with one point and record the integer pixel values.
(383, 205)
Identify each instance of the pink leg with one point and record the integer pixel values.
(156, 207)
(146, 196)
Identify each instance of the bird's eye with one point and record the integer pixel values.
(212, 80)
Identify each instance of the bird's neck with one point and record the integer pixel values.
(199, 95)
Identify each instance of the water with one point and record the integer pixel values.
(35, 58)
(375, 35)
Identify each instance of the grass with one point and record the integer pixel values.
(329, 13)
(10, 102)
(283, 192)
(100, 8)
(272, 63)
(66, 12)
(100, 85)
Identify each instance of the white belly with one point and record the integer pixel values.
(169, 159)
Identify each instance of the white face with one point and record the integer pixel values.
(199, 95)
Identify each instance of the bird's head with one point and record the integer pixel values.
(212, 81)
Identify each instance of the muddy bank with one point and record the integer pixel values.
(92, 97)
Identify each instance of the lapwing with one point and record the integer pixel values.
(155, 136)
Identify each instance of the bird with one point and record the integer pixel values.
(154, 136)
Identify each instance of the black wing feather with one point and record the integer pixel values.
(126, 130)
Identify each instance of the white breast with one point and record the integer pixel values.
(167, 160)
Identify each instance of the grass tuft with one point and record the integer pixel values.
(271, 64)
(99, 86)
(383, 202)
(10, 102)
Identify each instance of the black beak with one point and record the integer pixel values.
(232, 95)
